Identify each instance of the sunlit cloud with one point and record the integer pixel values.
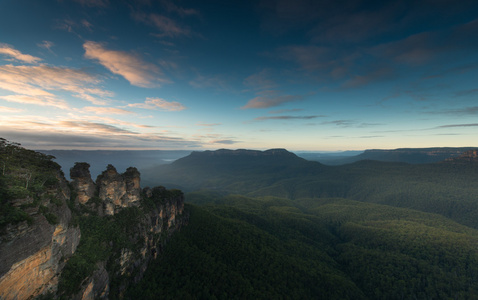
(159, 103)
(106, 110)
(129, 66)
(5, 109)
(43, 80)
(11, 52)
(271, 99)
(43, 101)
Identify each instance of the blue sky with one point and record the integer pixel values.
(301, 75)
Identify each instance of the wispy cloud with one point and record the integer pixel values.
(209, 124)
(216, 82)
(130, 66)
(166, 26)
(261, 80)
(270, 99)
(106, 110)
(13, 53)
(264, 118)
(457, 125)
(183, 12)
(159, 103)
(5, 109)
(42, 81)
(46, 45)
(281, 111)
(473, 110)
(42, 100)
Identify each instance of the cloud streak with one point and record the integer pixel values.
(159, 103)
(42, 81)
(270, 99)
(287, 118)
(9, 51)
(129, 66)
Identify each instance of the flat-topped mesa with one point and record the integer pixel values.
(118, 190)
(82, 182)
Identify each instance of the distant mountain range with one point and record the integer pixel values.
(407, 155)
(442, 188)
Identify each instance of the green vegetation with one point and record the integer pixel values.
(263, 248)
(25, 177)
(102, 239)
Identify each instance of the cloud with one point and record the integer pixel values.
(167, 26)
(281, 111)
(17, 55)
(159, 103)
(216, 82)
(261, 80)
(457, 125)
(41, 81)
(46, 45)
(271, 99)
(472, 110)
(131, 67)
(5, 109)
(43, 101)
(224, 142)
(183, 12)
(106, 110)
(287, 118)
(209, 124)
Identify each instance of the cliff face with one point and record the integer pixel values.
(33, 255)
(147, 218)
(41, 216)
(82, 182)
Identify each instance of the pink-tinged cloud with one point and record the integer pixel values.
(270, 99)
(129, 66)
(158, 103)
(17, 55)
(5, 109)
(43, 101)
(106, 110)
(43, 81)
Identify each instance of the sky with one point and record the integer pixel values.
(305, 75)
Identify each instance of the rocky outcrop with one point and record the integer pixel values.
(33, 255)
(468, 157)
(82, 182)
(39, 247)
(115, 190)
(149, 233)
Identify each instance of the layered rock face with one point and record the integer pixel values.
(36, 252)
(115, 190)
(33, 255)
(149, 233)
(82, 183)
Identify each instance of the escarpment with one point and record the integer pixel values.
(82, 239)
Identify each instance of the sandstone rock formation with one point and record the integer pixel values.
(33, 255)
(82, 182)
(36, 251)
